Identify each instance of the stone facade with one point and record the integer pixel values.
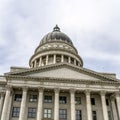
(58, 87)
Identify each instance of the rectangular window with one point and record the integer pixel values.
(33, 98)
(63, 114)
(109, 115)
(47, 113)
(78, 115)
(62, 100)
(107, 102)
(94, 115)
(18, 97)
(47, 99)
(15, 111)
(93, 101)
(77, 100)
(31, 112)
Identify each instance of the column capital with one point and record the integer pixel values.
(103, 93)
(40, 89)
(72, 90)
(117, 94)
(57, 90)
(87, 92)
(25, 88)
(8, 87)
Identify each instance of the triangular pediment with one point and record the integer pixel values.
(64, 71)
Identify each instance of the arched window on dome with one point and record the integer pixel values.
(58, 58)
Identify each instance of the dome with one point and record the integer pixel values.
(55, 47)
(56, 35)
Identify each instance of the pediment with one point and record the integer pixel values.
(65, 73)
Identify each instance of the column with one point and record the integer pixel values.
(69, 60)
(1, 103)
(9, 107)
(88, 103)
(47, 60)
(104, 106)
(23, 104)
(118, 103)
(74, 61)
(56, 105)
(54, 59)
(40, 62)
(6, 103)
(35, 63)
(62, 58)
(114, 110)
(72, 104)
(40, 104)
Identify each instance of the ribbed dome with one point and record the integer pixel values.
(56, 35)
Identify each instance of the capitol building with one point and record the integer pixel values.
(56, 86)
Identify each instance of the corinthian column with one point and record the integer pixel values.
(56, 105)
(114, 110)
(6, 103)
(104, 107)
(88, 103)
(40, 104)
(72, 104)
(118, 103)
(23, 104)
(1, 103)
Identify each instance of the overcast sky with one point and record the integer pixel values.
(92, 25)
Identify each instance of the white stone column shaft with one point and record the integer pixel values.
(69, 60)
(118, 103)
(35, 63)
(62, 58)
(9, 108)
(56, 105)
(47, 60)
(104, 106)
(40, 62)
(72, 104)
(6, 103)
(74, 61)
(23, 104)
(1, 103)
(114, 110)
(40, 104)
(54, 59)
(88, 103)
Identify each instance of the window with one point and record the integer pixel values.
(107, 102)
(47, 99)
(15, 112)
(94, 115)
(93, 101)
(77, 100)
(47, 113)
(18, 97)
(63, 114)
(33, 98)
(109, 115)
(78, 115)
(62, 99)
(31, 112)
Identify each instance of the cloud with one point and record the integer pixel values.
(93, 26)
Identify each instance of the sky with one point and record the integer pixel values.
(92, 25)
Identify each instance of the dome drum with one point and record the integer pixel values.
(47, 59)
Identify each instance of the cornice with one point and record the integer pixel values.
(58, 65)
(59, 80)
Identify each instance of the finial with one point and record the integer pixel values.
(56, 28)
